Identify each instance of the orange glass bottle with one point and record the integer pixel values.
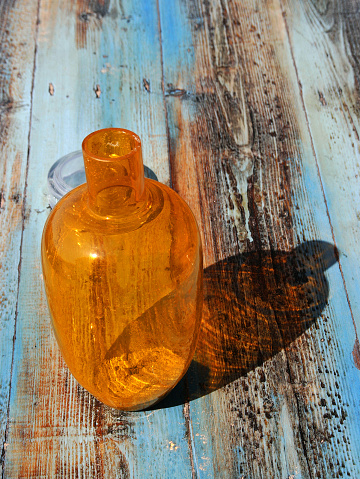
(122, 266)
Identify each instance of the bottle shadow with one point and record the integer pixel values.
(255, 304)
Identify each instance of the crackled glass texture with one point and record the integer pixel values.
(122, 266)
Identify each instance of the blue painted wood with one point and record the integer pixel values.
(212, 87)
(56, 428)
(287, 417)
(330, 94)
(16, 68)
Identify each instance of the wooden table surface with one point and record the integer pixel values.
(250, 109)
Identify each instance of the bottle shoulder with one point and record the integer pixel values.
(166, 226)
(161, 203)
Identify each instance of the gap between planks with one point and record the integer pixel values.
(186, 409)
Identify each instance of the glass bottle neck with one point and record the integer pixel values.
(114, 171)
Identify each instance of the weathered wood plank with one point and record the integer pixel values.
(56, 428)
(275, 382)
(257, 189)
(17, 46)
(331, 97)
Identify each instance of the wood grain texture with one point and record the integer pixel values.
(258, 191)
(224, 90)
(17, 44)
(331, 101)
(56, 429)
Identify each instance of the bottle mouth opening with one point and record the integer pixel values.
(111, 144)
(68, 172)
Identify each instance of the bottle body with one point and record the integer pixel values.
(124, 292)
